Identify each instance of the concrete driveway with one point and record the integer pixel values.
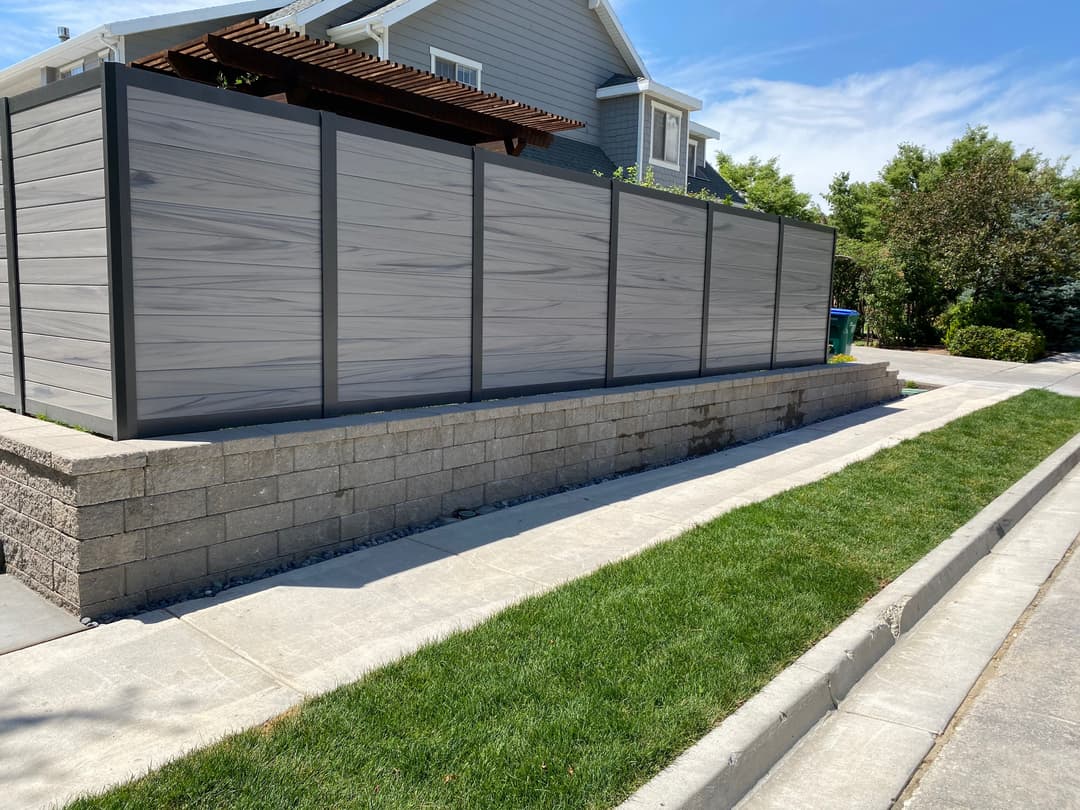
(1060, 373)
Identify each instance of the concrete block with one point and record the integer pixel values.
(548, 460)
(375, 496)
(188, 475)
(362, 473)
(66, 584)
(158, 510)
(549, 420)
(474, 475)
(291, 434)
(429, 485)
(583, 416)
(86, 522)
(512, 467)
(381, 520)
(173, 538)
(463, 499)
(504, 489)
(259, 520)
(241, 495)
(260, 464)
(380, 446)
(474, 432)
(513, 426)
(601, 467)
(309, 482)
(576, 434)
(573, 474)
(507, 447)
(322, 507)
(158, 572)
(323, 454)
(600, 430)
(418, 512)
(102, 585)
(355, 526)
(426, 461)
(542, 481)
(245, 551)
(539, 442)
(463, 455)
(579, 453)
(112, 550)
(429, 438)
(307, 538)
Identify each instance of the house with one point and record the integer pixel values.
(571, 57)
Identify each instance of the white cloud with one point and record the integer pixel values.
(855, 123)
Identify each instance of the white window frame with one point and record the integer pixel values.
(691, 165)
(470, 64)
(65, 71)
(652, 128)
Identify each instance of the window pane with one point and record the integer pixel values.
(693, 158)
(658, 134)
(467, 76)
(445, 69)
(671, 139)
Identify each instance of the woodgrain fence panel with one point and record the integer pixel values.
(545, 279)
(742, 292)
(660, 287)
(804, 296)
(60, 199)
(225, 225)
(404, 270)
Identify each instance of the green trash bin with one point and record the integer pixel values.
(842, 324)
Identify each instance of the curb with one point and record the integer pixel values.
(723, 766)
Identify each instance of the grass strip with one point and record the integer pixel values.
(575, 698)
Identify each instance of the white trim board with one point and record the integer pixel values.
(655, 89)
(652, 134)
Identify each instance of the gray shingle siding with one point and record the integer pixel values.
(552, 55)
(619, 129)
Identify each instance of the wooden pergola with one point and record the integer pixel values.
(263, 60)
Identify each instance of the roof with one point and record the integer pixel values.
(87, 41)
(302, 12)
(325, 75)
(635, 86)
(706, 178)
(567, 153)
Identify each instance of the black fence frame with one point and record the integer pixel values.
(114, 80)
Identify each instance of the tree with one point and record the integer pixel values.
(765, 188)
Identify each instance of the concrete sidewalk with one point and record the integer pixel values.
(1017, 741)
(1020, 733)
(86, 711)
(1060, 373)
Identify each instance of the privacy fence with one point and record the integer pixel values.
(181, 257)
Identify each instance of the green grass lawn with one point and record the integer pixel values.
(574, 698)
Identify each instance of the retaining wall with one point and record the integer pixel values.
(101, 526)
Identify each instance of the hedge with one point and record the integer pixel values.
(991, 343)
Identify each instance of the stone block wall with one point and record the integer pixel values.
(101, 526)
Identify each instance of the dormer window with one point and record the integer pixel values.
(666, 136)
(456, 68)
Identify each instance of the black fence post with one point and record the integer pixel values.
(477, 344)
(328, 224)
(776, 298)
(12, 253)
(118, 249)
(612, 283)
(706, 292)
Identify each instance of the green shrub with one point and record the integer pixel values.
(991, 343)
(995, 311)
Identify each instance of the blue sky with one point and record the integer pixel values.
(826, 86)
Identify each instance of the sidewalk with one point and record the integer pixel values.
(1017, 742)
(89, 710)
(1060, 373)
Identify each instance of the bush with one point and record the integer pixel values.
(991, 343)
(995, 311)
(1057, 314)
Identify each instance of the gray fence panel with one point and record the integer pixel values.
(661, 280)
(742, 292)
(404, 270)
(60, 196)
(225, 259)
(7, 368)
(802, 326)
(545, 279)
